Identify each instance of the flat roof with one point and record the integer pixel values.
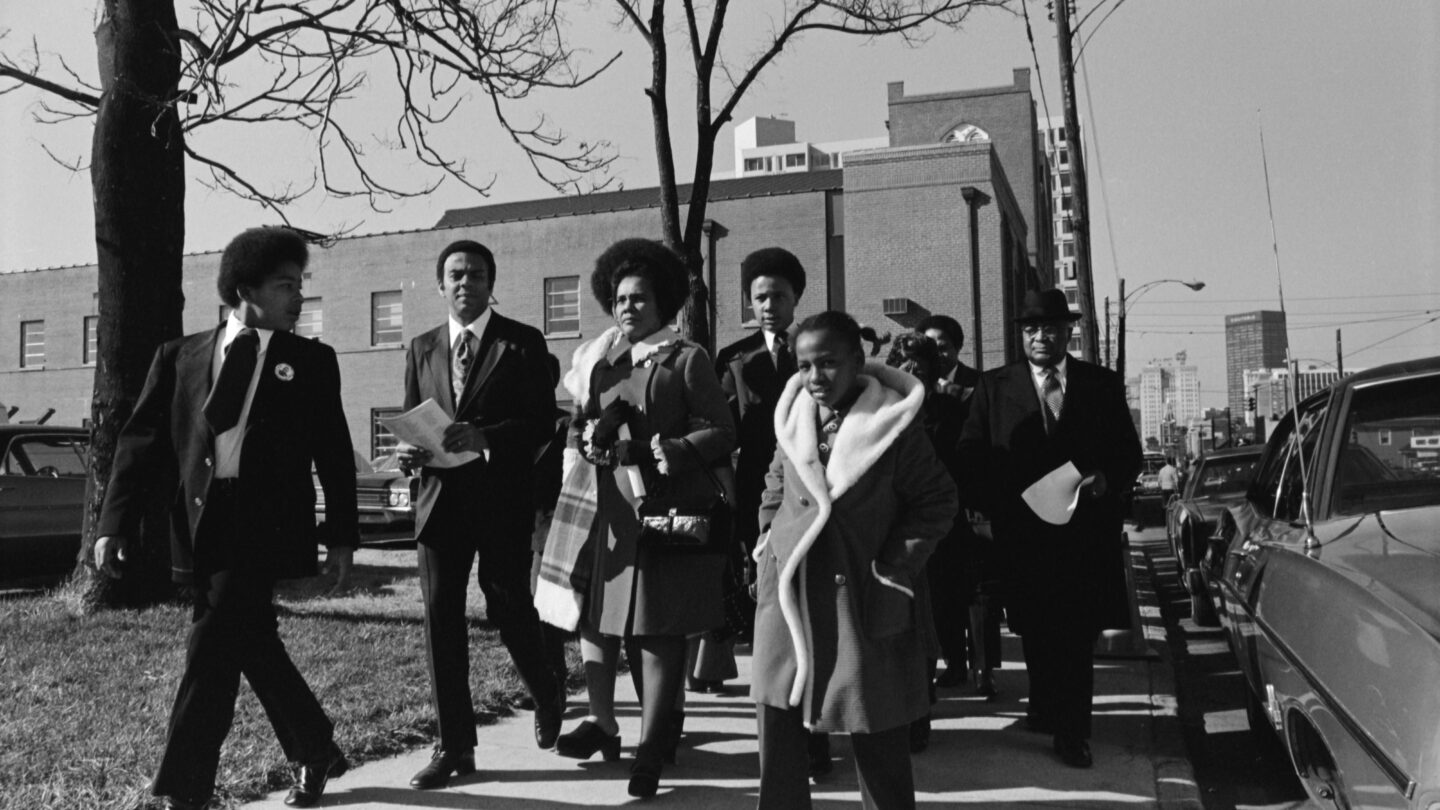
(767, 185)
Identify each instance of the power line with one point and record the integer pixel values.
(1197, 302)
(1099, 169)
(1392, 337)
(1035, 57)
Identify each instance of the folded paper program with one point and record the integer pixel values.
(1054, 497)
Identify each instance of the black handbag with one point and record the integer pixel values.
(693, 526)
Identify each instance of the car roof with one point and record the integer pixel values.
(1391, 370)
(19, 429)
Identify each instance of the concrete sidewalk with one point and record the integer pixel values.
(979, 754)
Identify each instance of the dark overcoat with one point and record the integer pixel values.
(296, 419)
(752, 386)
(637, 590)
(1054, 573)
(837, 628)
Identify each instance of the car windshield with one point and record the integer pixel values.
(1391, 456)
(1225, 476)
(1151, 464)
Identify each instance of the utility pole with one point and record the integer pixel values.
(1084, 277)
(1120, 333)
(1107, 332)
(1339, 356)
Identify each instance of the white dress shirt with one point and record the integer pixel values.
(227, 444)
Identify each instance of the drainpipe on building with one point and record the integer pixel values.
(974, 198)
(713, 232)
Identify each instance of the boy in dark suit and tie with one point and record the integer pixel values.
(242, 411)
(490, 374)
(1066, 582)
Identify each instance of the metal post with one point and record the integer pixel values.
(1120, 333)
(1107, 332)
(1339, 355)
(974, 198)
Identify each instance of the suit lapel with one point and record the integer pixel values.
(195, 366)
(492, 346)
(435, 379)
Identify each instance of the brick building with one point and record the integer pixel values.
(897, 234)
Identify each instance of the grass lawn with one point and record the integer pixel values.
(84, 699)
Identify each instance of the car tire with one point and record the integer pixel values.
(1202, 608)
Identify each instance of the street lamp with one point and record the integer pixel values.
(1125, 301)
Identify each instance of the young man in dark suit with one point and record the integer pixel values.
(242, 411)
(753, 371)
(490, 374)
(1066, 582)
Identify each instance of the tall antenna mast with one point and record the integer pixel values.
(1292, 368)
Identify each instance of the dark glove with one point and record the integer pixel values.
(632, 453)
(607, 427)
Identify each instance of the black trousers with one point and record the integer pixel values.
(1060, 661)
(882, 762)
(503, 573)
(234, 632)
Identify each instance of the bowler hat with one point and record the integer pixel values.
(1045, 305)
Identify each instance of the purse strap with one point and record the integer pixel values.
(704, 466)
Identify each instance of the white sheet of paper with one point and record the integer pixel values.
(1054, 498)
(424, 426)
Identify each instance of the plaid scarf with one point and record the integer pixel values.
(564, 578)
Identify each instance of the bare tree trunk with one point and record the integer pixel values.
(138, 176)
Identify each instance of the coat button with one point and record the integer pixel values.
(839, 579)
(804, 501)
(209, 461)
(199, 502)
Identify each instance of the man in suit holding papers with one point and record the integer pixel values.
(1066, 582)
(489, 373)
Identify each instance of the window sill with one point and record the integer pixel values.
(563, 335)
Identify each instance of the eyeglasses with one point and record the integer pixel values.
(1047, 329)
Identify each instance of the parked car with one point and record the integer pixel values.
(385, 496)
(42, 501)
(1330, 589)
(1146, 504)
(1217, 480)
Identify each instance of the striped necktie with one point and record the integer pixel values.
(463, 357)
(1054, 397)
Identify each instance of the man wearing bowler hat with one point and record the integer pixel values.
(1066, 578)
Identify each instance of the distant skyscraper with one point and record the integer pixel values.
(1057, 152)
(1253, 340)
(1168, 391)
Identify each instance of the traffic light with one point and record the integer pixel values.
(1250, 404)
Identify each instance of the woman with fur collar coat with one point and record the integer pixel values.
(855, 501)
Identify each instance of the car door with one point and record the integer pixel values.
(42, 496)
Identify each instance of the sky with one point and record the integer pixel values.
(1173, 95)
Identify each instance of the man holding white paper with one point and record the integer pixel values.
(489, 376)
(1047, 452)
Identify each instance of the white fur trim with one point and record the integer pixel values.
(888, 404)
(888, 582)
(558, 605)
(582, 362)
(760, 546)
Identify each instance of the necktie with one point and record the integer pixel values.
(780, 354)
(460, 365)
(1054, 397)
(227, 398)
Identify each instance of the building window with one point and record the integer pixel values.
(795, 161)
(1383, 437)
(386, 318)
(822, 161)
(1059, 134)
(32, 344)
(562, 305)
(1068, 268)
(382, 441)
(754, 164)
(1068, 250)
(1064, 181)
(311, 319)
(1064, 157)
(1072, 296)
(92, 339)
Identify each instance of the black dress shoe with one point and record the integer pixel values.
(645, 773)
(177, 803)
(919, 734)
(312, 777)
(547, 720)
(585, 740)
(985, 685)
(443, 765)
(819, 753)
(1073, 751)
(950, 678)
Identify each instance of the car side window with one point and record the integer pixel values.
(1266, 486)
(1303, 442)
(46, 456)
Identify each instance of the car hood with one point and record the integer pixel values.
(1395, 555)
